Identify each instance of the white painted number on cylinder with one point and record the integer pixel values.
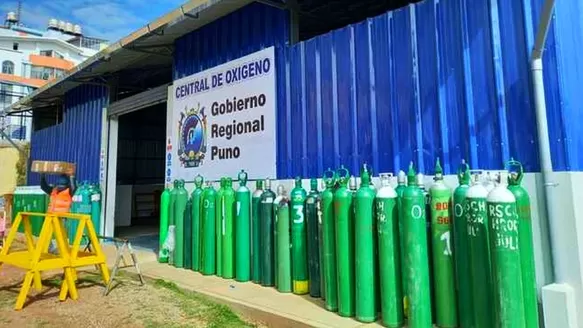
(299, 217)
(458, 210)
(238, 208)
(206, 203)
(446, 237)
(380, 212)
(416, 212)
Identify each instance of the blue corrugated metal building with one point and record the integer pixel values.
(438, 79)
(77, 138)
(448, 79)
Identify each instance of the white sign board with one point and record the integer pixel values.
(223, 120)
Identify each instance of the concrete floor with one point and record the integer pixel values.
(145, 237)
(260, 303)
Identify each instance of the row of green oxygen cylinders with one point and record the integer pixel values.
(208, 231)
(86, 200)
(234, 234)
(425, 257)
(465, 259)
(429, 257)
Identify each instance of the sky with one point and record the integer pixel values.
(107, 19)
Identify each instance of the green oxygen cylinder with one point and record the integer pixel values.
(219, 221)
(401, 185)
(173, 193)
(283, 255)
(243, 230)
(329, 274)
(389, 254)
(344, 220)
(164, 207)
(179, 207)
(525, 244)
(96, 207)
(461, 257)
(82, 201)
(76, 200)
(442, 252)
(365, 244)
(188, 235)
(172, 223)
(416, 254)
(505, 252)
(479, 254)
(228, 212)
(298, 239)
(256, 266)
(421, 184)
(196, 199)
(266, 251)
(208, 231)
(320, 244)
(313, 239)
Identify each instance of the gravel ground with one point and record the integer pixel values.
(157, 304)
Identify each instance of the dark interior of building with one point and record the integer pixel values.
(140, 174)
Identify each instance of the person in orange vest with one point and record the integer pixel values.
(60, 197)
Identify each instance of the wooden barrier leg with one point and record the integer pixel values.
(24, 291)
(68, 286)
(30, 244)
(28, 235)
(64, 287)
(38, 285)
(11, 235)
(98, 251)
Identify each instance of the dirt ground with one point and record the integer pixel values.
(157, 304)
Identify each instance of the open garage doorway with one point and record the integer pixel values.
(139, 175)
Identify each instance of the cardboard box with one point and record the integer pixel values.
(49, 167)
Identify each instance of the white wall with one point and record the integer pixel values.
(563, 300)
(13, 56)
(123, 206)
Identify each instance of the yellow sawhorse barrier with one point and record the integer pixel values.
(36, 258)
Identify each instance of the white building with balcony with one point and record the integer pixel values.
(30, 58)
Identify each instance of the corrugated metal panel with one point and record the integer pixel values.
(252, 28)
(139, 101)
(446, 79)
(567, 101)
(78, 138)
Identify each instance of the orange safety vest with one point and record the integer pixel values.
(60, 202)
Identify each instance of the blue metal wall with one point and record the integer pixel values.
(563, 81)
(446, 79)
(78, 138)
(250, 29)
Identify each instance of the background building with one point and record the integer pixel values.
(30, 58)
(381, 82)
